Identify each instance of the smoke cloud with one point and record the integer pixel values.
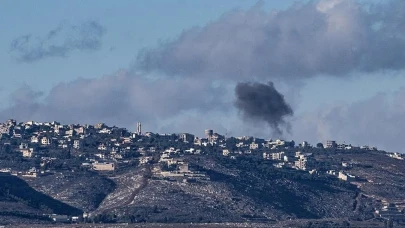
(58, 42)
(263, 102)
(327, 37)
(333, 38)
(373, 121)
(117, 99)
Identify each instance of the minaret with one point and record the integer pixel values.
(138, 128)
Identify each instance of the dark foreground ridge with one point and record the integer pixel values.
(79, 175)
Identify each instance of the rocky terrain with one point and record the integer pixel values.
(83, 190)
(107, 175)
(236, 190)
(234, 193)
(19, 203)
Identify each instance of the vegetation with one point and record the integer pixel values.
(15, 189)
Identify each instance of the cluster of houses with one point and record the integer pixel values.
(111, 145)
(174, 167)
(35, 139)
(297, 160)
(104, 149)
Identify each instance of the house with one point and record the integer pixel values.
(144, 160)
(105, 166)
(104, 131)
(59, 129)
(23, 146)
(240, 144)
(396, 156)
(391, 212)
(99, 125)
(17, 133)
(277, 156)
(69, 133)
(330, 144)
(126, 140)
(186, 137)
(76, 144)
(197, 142)
(79, 130)
(183, 168)
(34, 139)
(332, 172)
(115, 150)
(301, 163)
(304, 144)
(279, 165)
(191, 150)
(341, 146)
(225, 152)
(346, 176)
(59, 218)
(45, 141)
(254, 146)
(27, 152)
(273, 156)
(102, 146)
(102, 156)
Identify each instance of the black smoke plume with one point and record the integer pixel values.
(262, 102)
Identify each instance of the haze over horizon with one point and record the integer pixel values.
(335, 68)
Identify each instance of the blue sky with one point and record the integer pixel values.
(133, 26)
(130, 25)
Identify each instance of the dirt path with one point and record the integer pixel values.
(143, 183)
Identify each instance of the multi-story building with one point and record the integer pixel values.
(301, 163)
(186, 137)
(254, 146)
(45, 141)
(330, 144)
(76, 144)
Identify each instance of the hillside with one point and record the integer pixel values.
(116, 176)
(19, 202)
(83, 190)
(239, 191)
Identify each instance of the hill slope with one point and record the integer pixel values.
(18, 199)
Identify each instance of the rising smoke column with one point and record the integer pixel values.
(262, 102)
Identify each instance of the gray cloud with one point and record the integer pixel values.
(264, 103)
(58, 42)
(23, 101)
(120, 99)
(327, 37)
(375, 121)
(337, 38)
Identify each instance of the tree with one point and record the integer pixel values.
(319, 145)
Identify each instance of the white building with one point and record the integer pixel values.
(76, 144)
(254, 146)
(104, 166)
(346, 176)
(330, 144)
(301, 163)
(34, 139)
(45, 141)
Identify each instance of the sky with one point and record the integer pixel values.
(337, 65)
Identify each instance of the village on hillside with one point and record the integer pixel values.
(37, 148)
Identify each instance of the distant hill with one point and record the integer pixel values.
(17, 198)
